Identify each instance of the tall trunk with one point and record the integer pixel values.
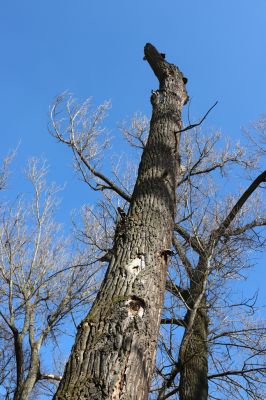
(19, 363)
(24, 385)
(113, 356)
(32, 375)
(193, 353)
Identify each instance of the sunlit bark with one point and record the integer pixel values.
(114, 353)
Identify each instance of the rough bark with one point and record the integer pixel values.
(26, 383)
(32, 375)
(193, 353)
(19, 363)
(114, 353)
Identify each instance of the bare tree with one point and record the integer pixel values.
(174, 229)
(211, 344)
(44, 279)
(114, 352)
(210, 238)
(256, 134)
(4, 169)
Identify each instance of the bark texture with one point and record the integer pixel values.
(114, 353)
(26, 381)
(193, 353)
(19, 363)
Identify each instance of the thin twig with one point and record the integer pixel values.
(199, 123)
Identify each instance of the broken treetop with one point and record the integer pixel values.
(165, 71)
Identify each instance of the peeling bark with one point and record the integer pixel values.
(114, 353)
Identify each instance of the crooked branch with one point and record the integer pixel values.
(111, 184)
(191, 126)
(237, 372)
(239, 204)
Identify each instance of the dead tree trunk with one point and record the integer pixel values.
(114, 353)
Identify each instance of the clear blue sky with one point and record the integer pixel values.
(95, 48)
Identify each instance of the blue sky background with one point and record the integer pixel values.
(95, 48)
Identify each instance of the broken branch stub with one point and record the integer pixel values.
(169, 75)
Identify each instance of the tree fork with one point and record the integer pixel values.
(114, 353)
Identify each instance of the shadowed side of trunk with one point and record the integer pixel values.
(193, 353)
(114, 353)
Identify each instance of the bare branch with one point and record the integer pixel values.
(237, 372)
(136, 134)
(195, 243)
(51, 377)
(111, 185)
(198, 123)
(182, 255)
(80, 131)
(173, 321)
(232, 214)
